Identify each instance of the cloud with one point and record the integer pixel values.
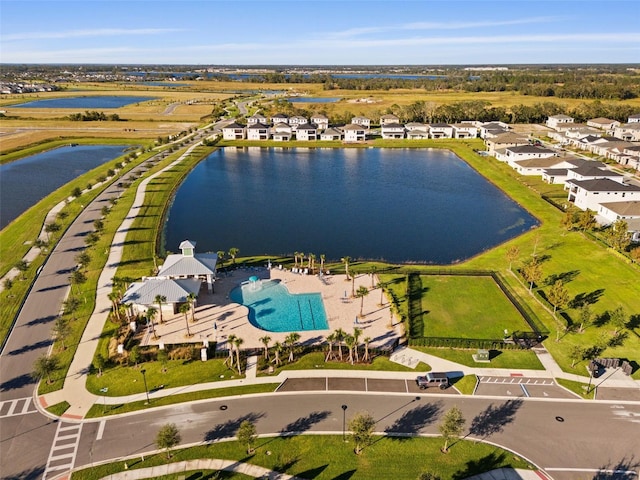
(98, 32)
(354, 32)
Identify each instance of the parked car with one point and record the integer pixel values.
(433, 379)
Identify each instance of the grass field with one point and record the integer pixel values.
(522, 359)
(328, 457)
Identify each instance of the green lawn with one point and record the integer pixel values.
(520, 359)
(328, 457)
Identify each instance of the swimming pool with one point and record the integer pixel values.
(274, 309)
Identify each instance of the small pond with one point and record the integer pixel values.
(313, 99)
(25, 182)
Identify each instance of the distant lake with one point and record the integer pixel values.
(25, 182)
(107, 101)
(313, 99)
(398, 205)
(164, 84)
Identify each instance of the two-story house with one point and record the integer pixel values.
(362, 121)
(354, 133)
(392, 130)
(233, 131)
(320, 120)
(258, 131)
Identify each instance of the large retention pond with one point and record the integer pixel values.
(106, 101)
(25, 182)
(397, 205)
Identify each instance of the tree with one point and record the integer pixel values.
(576, 353)
(586, 220)
(277, 350)
(618, 235)
(78, 277)
(221, 254)
(323, 257)
(366, 341)
(44, 366)
(99, 362)
(70, 305)
(451, 426)
(22, 266)
(585, 316)
(265, 342)
(76, 192)
(236, 343)
(512, 254)
(247, 435)
(346, 261)
(558, 295)
(361, 426)
(350, 343)
(570, 217)
(134, 354)
(151, 315)
(428, 476)
(168, 437)
(339, 337)
(356, 337)
(380, 285)
(191, 298)
(330, 341)
(61, 329)
(160, 300)
(233, 252)
(618, 319)
(291, 341)
(184, 309)
(361, 293)
(231, 338)
(83, 259)
(163, 357)
(51, 228)
(532, 272)
(635, 254)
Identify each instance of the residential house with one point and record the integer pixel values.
(464, 130)
(331, 134)
(440, 130)
(629, 211)
(281, 132)
(320, 120)
(257, 118)
(307, 132)
(558, 174)
(629, 132)
(593, 172)
(634, 118)
(521, 152)
(392, 130)
(554, 120)
(505, 140)
(233, 131)
(589, 194)
(417, 131)
(388, 119)
(258, 131)
(362, 121)
(279, 118)
(492, 129)
(296, 121)
(605, 124)
(354, 133)
(540, 165)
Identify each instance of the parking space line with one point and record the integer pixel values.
(524, 389)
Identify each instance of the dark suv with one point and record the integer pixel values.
(432, 379)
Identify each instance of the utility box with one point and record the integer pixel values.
(481, 356)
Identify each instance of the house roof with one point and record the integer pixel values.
(352, 126)
(178, 265)
(174, 290)
(509, 137)
(332, 131)
(187, 244)
(628, 208)
(604, 185)
(635, 115)
(602, 120)
(557, 172)
(630, 126)
(592, 171)
(464, 125)
(440, 125)
(319, 117)
(529, 149)
(417, 131)
(233, 126)
(392, 125)
(389, 116)
(307, 126)
(561, 117)
(280, 115)
(415, 124)
(257, 126)
(539, 162)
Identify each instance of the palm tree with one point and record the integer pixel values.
(366, 341)
(230, 344)
(160, 300)
(191, 298)
(346, 261)
(277, 349)
(322, 259)
(44, 366)
(265, 341)
(221, 254)
(356, 337)
(113, 296)
(350, 342)
(151, 314)
(295, 259)
(380, 285)
(330, 341)
(353, 286)
(233, 251)
(301, 259)
(361, 293)
(339, 337)
(184, 309)
(312, 261)
(236, 343)
(290, 341)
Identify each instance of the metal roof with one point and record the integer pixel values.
(174, 290)
(178, 265)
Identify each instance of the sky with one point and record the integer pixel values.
(320, 32)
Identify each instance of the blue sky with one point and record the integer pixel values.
(320, 32)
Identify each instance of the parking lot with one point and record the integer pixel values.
(521, 387)
(358, 385)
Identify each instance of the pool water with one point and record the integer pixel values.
(274, 309)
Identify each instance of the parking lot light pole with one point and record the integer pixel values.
(344, 423)
(144, 379)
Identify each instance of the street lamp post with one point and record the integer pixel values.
(344, 423)
(144, 379)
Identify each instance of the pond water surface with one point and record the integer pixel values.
(398, 205)
(25, 182)
(107, 101)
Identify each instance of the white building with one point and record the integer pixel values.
(589, 194)
(307, 132)
(363, 121)
(258, 131)
(233, 131)
(320, 120)
(392, 131)
(354, 133)
(554, 120)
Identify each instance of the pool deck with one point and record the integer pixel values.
(217, 316)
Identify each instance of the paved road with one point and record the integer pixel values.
(525, 426)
